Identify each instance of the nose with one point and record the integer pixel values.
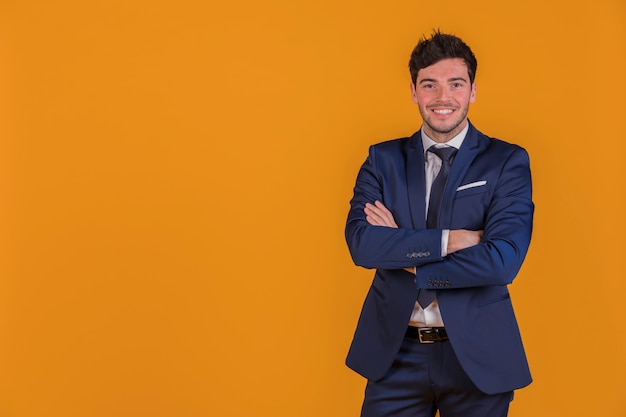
(443, 94)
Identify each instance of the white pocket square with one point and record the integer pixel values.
(471, 185)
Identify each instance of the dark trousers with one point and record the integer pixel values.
(425, 378)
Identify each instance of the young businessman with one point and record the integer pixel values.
(445, 217)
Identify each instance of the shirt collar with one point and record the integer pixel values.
(455, 142)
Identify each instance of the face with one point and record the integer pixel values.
(443, 93)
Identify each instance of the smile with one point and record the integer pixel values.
(443, 111)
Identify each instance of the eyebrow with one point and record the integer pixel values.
(432, 80)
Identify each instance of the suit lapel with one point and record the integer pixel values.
(473, 144)
(415, 180)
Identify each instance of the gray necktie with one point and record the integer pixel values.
(425, 297)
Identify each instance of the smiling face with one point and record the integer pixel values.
(443, 92)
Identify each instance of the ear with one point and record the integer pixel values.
(413, 93)
(473, 93)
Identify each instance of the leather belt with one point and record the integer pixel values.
(427, 334)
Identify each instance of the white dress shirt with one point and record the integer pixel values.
(431, 316)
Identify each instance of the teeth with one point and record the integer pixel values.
(444, 111)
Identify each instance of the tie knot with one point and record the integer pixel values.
(445, 154)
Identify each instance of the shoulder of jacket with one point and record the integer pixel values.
(392, 143)
(504, 148)
(391, 146)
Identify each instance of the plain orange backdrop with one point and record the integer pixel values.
(175, 178)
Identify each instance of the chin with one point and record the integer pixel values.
(445, 129)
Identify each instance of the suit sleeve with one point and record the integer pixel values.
(507, 232)
(379, 246)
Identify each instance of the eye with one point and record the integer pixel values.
(457, 85)
(428, 86)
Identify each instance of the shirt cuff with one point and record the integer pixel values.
(445, 233)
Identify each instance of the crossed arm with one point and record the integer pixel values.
(378, 215)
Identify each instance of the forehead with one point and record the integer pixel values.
(445, 69)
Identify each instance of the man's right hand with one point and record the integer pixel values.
(461, 239)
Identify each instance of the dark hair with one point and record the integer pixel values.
(440, 46)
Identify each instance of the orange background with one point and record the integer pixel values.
(175, 178)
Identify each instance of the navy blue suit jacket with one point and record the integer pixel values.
(489, 189)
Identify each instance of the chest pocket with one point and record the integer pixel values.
(471, 201)
(472, 188)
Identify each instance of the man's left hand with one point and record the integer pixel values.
(379, 215)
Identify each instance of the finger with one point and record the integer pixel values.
(381, 217)
(382, 207)
(372, 221)
(367, 207)
(373, 218)
(386, 214)
(375, 211)
(382, 210)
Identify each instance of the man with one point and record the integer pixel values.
(445, 217)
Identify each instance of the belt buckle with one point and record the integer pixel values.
(421, 338)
